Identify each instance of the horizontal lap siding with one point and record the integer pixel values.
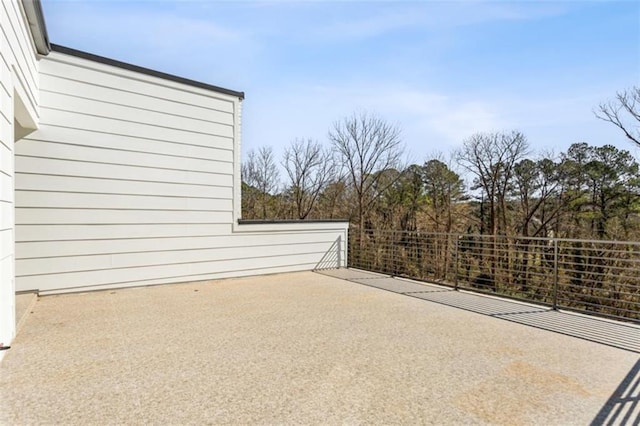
(39, 199)
(74, 184)
(142, 103)
(121, 158)
(101, 216)
(17, 64)
(134, 259)
(123, 172)
(130, 82)
(129, 181)
(149, 258)
(164, 274)
(59, 151)
(204, 239)
(101, 233)
(6, 197)
(18, 49)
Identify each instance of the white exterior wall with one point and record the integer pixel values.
(132, 180)
(18, 98)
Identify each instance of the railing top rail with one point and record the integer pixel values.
(487, 236)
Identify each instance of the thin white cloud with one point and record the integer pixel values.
(428, 120)
(144, 27)
(248, 47)
(170, 30)
(364, 20)
(171, 41)
(355, 28)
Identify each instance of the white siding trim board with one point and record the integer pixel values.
(6, 194)
(74, 134)
(5, 70)
(54, 249)
(6, 83)
(185, 279)
(117, 96)
(18, 102)
(42, 216)
(23, 38)
(73, 120)
(97, 170)
(6, 246)
(90, 154)
(133, 275)
(130, 114)
(123, 260)
(79, 232)
(15, 38)
(6, 159)
(25, 111)
(85, 200)
(6, 103)
(97, 185)
(6, 128)
(75, 68)
(155, 148)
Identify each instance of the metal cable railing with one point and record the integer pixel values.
(589, 276)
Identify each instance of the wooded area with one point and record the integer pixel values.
(559, 229)
(494, 184)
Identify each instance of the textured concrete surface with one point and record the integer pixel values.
(24, 303)
(622, 335)
(295, 348)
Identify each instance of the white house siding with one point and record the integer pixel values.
(130, 181)
(18, 78)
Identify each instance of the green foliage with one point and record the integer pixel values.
(586, 192)
(605, 186)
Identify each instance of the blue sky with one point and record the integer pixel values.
(440, 70)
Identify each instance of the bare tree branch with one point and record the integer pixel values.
(491, 157)
(309, 168)
(627, 103)
(260, 172)
(366, 144)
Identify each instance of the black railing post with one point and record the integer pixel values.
(455, 254)
(595, 280)
(555, 274)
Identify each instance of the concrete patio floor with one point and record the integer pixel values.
(299, 348)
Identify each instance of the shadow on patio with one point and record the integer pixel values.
(623, 407)
(613, 333)
(297, 348)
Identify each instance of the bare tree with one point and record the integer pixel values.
(309, 168)
(491, 158)
(260, 174)
(623, 112)
(366, 144)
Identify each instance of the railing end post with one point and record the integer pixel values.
(555, 274)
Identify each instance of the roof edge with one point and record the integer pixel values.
(35, 19)
(289, 221)
(142, 70)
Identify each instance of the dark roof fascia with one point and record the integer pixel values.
(35, 19)
(294, 221)
(142, 70)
